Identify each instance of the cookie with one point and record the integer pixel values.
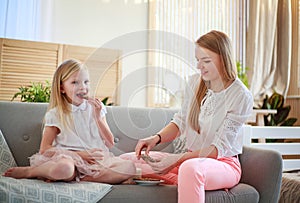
(147, 158)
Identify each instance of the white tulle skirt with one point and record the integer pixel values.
(83, 168)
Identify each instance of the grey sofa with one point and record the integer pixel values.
(262, 169)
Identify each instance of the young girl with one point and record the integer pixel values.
(215, 107)
(76, 136)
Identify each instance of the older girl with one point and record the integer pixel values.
(215, 107)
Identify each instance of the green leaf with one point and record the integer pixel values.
(289, 122)
(282, 114)
(276, 101)
(265, 103)
(104, 100)
(242, 73)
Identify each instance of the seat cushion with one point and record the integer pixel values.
(140, 193)
(240, 193)
(168, 194)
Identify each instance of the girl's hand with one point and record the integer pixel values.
(103, 128)
(91, 156)
(97, 105)
(147, 143)
(165, 164)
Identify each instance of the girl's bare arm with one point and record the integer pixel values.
(50, 133)
(105, 132)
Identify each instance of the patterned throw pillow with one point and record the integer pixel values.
(33, 190)
(6, 158)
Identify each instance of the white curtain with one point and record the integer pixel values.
(186, 20)
(26, 20)
(269, 47)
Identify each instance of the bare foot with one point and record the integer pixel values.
(128, 182)
(18, 172)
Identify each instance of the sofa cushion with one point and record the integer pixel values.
(240, 193)
(131, 124)
(6, 158)
(32, 190)
(140, 193)
(168, 194)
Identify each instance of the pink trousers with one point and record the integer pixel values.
(194, 176)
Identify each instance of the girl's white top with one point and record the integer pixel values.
(222, 115)
(82, 131)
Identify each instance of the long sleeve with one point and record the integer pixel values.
(228, 138)
(222, 115)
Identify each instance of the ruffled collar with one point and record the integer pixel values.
(81, 107)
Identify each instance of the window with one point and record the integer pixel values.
(186, 20)
(26, 20)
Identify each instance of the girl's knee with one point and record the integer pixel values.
(63, 170)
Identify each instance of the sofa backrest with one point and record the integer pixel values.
(21, 125)
(130, 124)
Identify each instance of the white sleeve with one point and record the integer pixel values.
(51, 119)
(229, 138)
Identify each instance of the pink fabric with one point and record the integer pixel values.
(169, 178)
(194, 176)
(200, 174)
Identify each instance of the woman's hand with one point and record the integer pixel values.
(147, 143)
(166, 164)
(91, 156)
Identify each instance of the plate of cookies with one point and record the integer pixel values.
(147, 181)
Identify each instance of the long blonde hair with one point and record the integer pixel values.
(57, 99)
(220, 44)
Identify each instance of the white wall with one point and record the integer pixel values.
(99, 22)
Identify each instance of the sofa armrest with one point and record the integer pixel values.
(263, 170)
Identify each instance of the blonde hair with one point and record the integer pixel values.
(57, 99)
(219, 43)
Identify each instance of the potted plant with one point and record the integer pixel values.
(276, 101)
(36, 92)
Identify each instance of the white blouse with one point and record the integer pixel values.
(222, 115)
(82, 131)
